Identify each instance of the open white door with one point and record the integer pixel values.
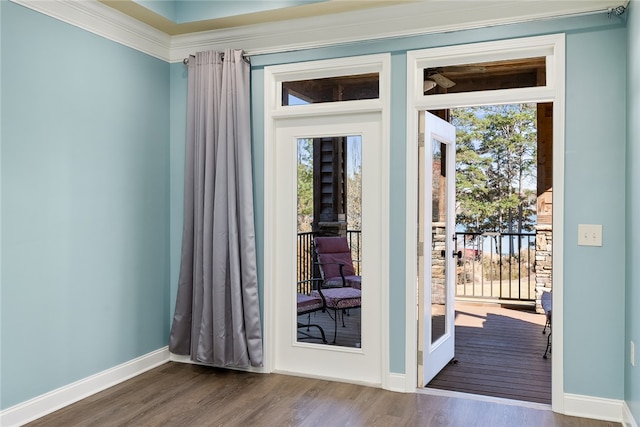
(437, 245)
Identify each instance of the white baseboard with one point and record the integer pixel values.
(47, 403)
(627, 417)
(396, 382)
(596, 408)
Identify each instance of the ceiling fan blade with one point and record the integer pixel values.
(442, 81)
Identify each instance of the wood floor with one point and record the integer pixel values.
(499, 353)
(177, 395)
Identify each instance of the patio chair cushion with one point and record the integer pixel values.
(309, 303)
(352, 281)
(330, 263)
(339, 298)
(334, 252)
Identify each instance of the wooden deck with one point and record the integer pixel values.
(348, 336)
(499, 353)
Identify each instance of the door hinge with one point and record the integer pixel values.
(420, 249)
(421, 140)
(420, 358)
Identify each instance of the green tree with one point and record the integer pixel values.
(354, 200)
(495, 167)
(305, 184)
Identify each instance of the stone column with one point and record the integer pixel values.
(543, 268)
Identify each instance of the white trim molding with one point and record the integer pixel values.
(396, 382)
(404, 19)
(47, 403)
(97, 18)
(627, 416)
(597, 408)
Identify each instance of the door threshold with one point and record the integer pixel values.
(483, 398)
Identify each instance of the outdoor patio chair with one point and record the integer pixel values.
(337, 301)
(339, 286)
(335, 262)
(545, 301)
(308, 304)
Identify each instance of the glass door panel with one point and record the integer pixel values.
(328, 289)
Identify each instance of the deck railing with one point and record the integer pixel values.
(497, 266)
(307, 270)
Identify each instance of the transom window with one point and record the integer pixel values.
(331, 89)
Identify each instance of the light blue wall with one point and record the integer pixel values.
(595, 194)
(178, 117)
(594, 183)
(632, 307)
(85, 193)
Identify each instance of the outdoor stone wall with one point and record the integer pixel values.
(438, 290)
(543, 268)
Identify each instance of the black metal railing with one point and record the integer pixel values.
(307, 270)
(496, 266)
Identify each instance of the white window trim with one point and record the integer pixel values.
(274, 111)
(553, 47)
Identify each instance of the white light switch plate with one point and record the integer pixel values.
(590, 234)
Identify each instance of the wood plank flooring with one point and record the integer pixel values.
(499, 353)
(178, 395)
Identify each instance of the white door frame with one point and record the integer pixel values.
(274, 115)
(553, 48)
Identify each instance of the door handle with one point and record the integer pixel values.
(454, 254)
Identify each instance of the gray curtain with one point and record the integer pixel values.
(217, 314)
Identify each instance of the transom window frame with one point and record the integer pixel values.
(275, 75)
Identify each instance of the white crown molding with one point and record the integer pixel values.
(47, 403)
(416, 18)
(97, 18)
(419, 18)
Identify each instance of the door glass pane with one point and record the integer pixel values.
(331, 89)
(509, 74)
(329, 182)
(438, 242)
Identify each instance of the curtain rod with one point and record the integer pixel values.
(245, 58)
(617, 11)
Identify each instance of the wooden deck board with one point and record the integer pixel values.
(499, 353)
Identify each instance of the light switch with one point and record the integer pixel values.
(590, 234)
